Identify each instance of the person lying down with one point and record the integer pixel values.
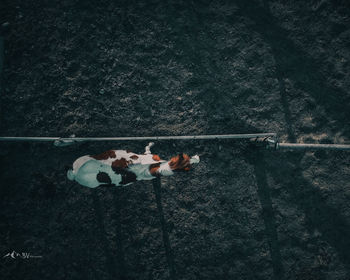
(123, 167)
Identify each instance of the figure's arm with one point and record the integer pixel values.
(148, 148)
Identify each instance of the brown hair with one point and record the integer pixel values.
(180, 162)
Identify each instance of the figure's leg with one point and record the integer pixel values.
(87, 179)
(148, 148)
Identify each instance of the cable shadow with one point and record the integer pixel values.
(292, 62)
(118, 240)
(334, 227)
(101, 233)
(295, 63)
(286, 110)
(168, 253)
(2, 51)
(267, 212)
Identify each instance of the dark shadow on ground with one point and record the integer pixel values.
(293, 62)
(168, 253)
(296, 64)
(258, 161)
(286, 110)
(334, 227)
(118, 239)
(101, 234)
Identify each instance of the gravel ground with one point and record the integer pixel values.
(137, 68)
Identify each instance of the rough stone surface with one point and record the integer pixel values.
(136, 68)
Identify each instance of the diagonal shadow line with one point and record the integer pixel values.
(169, 256)
(286, 110)
(101, 233)
(334, 227)
(268, 215)
(2, 51)
(295, 63)
(119, 241)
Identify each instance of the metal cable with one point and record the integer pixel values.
(71, 140)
